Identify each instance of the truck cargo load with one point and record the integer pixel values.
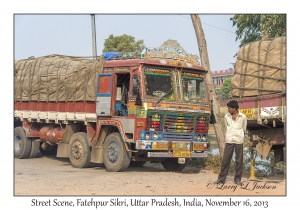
(56, 78)
(260, 68)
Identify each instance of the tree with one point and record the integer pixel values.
(256, 27)
(226, 88)
(212, 93)
(123, 43)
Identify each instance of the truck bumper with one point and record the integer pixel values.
(177, 155)
(174, 149)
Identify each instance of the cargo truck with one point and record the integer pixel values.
(119, 110)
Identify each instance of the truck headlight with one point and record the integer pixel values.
(147, 135)
(204, 138)
(154, 135)
(199, 137)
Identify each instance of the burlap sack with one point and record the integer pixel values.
(56, 78)
(260, 68)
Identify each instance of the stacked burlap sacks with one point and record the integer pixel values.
(56, 78)
(260, 68)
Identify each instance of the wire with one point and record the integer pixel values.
(209, 25)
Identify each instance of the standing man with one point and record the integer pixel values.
(235, 123)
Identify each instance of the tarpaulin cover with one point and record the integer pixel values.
(111, 55)
(260, 68)
(56, 78)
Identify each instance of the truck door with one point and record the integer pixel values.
(106, 94)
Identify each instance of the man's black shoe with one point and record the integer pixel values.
(219, 181)
(238, 183)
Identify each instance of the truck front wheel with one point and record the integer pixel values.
(115, 156)
(79, 151)
(22, 144)
(171, 164)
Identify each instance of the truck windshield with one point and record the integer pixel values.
(158, 83)
(193, 87)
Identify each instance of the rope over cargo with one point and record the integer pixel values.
(56, 78)
(260, 69)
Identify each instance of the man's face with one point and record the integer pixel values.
(231, 110)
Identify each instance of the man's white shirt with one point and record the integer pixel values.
(235, 129)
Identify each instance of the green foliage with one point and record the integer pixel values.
(254, 27)
(123, 43)
(214, 160)
(226, 88)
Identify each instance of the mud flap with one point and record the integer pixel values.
(263, 147)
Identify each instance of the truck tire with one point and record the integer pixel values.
(35, 148)
(115, 156)
(22, 144)
(171, 164)
(79, 150)
(137, 163)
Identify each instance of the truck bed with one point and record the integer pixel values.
(264, 111)
(56, 111)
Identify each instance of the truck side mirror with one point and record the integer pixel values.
(136, 87)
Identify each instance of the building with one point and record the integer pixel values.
(219, 77)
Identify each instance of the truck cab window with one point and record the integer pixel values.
(193, 87)
(122, 94)
(158, 84)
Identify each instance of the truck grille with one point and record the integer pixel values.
(176, 125)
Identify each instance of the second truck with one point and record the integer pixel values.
(259, 84)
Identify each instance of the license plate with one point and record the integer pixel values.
(248, 112)
(198, 147)
(182, 154)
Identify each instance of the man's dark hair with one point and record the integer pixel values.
(233, 104)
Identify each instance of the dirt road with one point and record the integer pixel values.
(48, 175)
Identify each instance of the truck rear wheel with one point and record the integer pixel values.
(35, 148)
(22, 144)
(171, 164)
(79, 151)
(115, 156)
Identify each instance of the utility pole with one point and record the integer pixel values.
(94, 37)
(212, 94)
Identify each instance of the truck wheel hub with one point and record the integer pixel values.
(77, 150)
(113, 152)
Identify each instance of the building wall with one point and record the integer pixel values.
(220, 76)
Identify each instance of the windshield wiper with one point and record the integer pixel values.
(163, 96)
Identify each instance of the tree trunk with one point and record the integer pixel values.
(212, 94)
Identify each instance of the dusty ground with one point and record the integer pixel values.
(47, 175)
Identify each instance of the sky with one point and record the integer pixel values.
(40, 35)
(36, 35)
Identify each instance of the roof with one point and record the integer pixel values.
(223, 72)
